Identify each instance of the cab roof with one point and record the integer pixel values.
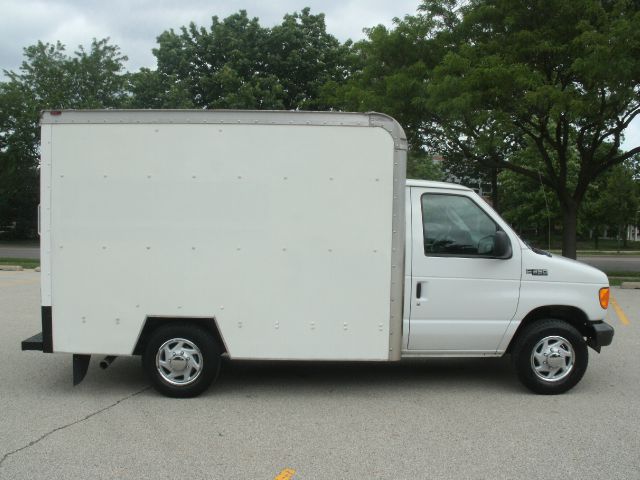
(431, 184)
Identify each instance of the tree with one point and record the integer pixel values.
(421, 166)
(304, 57)
(482, 80)
(237, 63)
(562, 76)
(149, 89)
(612, 202)
(467, 171)
(388, 76)
(529, 207)
(18, 162)
(392, 76)
(47, 79)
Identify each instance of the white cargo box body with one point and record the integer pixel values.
(285, 228)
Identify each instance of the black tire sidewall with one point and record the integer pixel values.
(527, 341)
(210, 358)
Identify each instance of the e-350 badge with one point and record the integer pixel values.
(539, 272)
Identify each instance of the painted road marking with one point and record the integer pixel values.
(619, 312)
(285, 474)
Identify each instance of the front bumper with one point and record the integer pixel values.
(600, 334)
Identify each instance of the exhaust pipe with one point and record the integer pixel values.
(104, 364)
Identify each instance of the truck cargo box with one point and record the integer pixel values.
(286, 229)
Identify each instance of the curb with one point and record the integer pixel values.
(11, 268)
(630, 285)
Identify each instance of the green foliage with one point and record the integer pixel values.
(559, 76)
(237, 63)
(421, 166)
(536, 92)
(481, 81)
(529, 206)
(610, 204)
(612, 201)
(47, 79)
(149, 89)
(390, 76)
(21, 262)
(87, 79)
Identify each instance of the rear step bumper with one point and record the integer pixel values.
(33, 343)
(43, 341)
(80, 362)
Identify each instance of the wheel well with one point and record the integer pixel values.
(151, 323)
(572, 315)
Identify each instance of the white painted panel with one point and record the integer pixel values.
(45, 215)
(408, 272)
(465, 304)
(567, 283)
(282, 233)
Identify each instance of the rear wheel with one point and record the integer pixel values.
(181, 360)
(550, 356)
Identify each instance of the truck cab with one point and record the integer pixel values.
(474, 288)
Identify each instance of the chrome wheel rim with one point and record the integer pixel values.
(552, 358)
(179, 361)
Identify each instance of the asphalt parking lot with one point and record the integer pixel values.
(435, 419)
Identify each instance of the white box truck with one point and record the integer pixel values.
(181, 236)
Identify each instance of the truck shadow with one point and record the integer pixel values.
(292, 377)
(455, 373)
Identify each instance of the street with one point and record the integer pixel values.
(616, 263)
(19, 250)
(438, 418)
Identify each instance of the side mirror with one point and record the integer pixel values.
(502, 246)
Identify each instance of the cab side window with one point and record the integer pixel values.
(454, 225)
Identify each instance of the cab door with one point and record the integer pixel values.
(462, 296)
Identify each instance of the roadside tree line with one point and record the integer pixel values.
(530, 97)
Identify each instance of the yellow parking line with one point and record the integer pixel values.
(619, 312)
(285, 474)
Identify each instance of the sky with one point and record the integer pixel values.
(134, 24)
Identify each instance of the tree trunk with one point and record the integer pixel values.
(569, 229)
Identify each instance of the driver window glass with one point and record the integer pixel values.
(455, 225)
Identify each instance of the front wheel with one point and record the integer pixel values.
(181, 360)
(550, 356)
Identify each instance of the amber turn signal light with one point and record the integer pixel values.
(604, 297)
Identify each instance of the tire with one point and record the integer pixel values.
(550, 356)
(181, 360)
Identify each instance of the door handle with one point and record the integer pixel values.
(419, 292)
